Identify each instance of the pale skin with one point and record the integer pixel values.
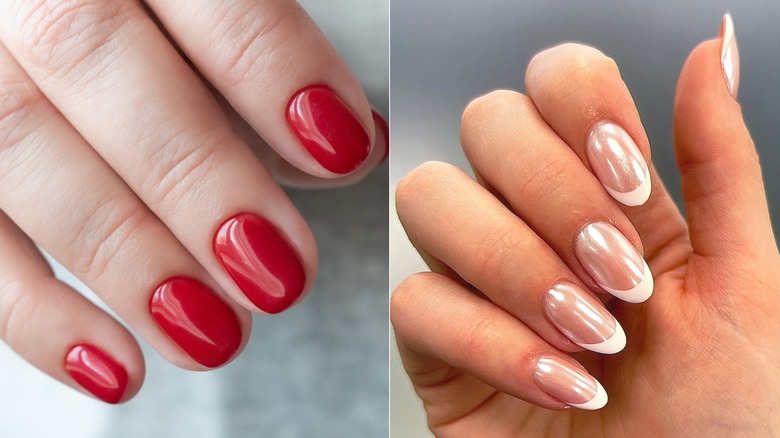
(701, 357)
(120, 161)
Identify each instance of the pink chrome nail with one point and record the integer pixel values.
(618, 163)
(583, 319)
(614, 262)
(569, 384)
(729, 54)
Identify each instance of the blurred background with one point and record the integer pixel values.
(317, 370)
(446, 53)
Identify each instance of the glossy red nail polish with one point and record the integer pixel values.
(96, 372)
(261, 262)
(197, 320)
(383, 130)
(327, 129)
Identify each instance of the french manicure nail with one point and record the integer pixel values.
(96, 372)
(729, 54)
(197, 320)
(569, 384)
(261, 262)
(583, 319)
(614, 262)
(618, 163)
(328, 129)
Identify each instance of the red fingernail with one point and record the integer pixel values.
(97, 372)
(384, 130)
(261, 262)
(327, 129)
(197, 320)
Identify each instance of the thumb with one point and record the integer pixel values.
(721, 177)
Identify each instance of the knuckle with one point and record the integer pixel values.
(17, 304)
(418, 185)
(18, 100)
(570, 67)
(406, 296)
(247, 42)
(180, 165)
(499, 250)
(104, 236)
(483, 108)
(544, 180)
(482, 331)
(58, 36)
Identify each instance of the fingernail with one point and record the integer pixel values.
(383, 130)
(328, 129)
(614, 262)
(729, 54)
(97, 372)
(197, 320)
(618, 163)
(569, 384)
(261, 262)
(583, 319)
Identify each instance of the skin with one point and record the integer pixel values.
(701, 358)
(120, 161)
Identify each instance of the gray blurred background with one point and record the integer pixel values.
(445, 53)
(317, 370)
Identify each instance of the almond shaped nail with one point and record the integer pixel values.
(618, 164)
(583, 319)
(569, 384)
(614, 262)
(729, 54)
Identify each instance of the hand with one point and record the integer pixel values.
(116, 158)
(494, 338)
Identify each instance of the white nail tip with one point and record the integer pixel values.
(635, 197)
(597, 402)
(639, 293)
(615, 344)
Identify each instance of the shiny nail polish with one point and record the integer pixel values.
(569, 384)
(614, 262)
(197, 320)
(328, 129)
(583, 319)
(384, 130)
(96, 372)
(260, 260)
(729, 54)
(618, 163)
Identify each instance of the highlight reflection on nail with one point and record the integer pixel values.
(569, 384)
(729, 54)
(618, 164)
(583, 319)
(614, 262)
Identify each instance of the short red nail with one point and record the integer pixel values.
(261, 262)
(97, 372)
(384, 130)
(197, 320)
(327, 129)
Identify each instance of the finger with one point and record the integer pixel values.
(269, 59)
(503, 258)
(439, 320)
(69, 201)
(94, 60)
(546, 185)
(721, 176)
(580, 94)
(59, 331)
(288, 175)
